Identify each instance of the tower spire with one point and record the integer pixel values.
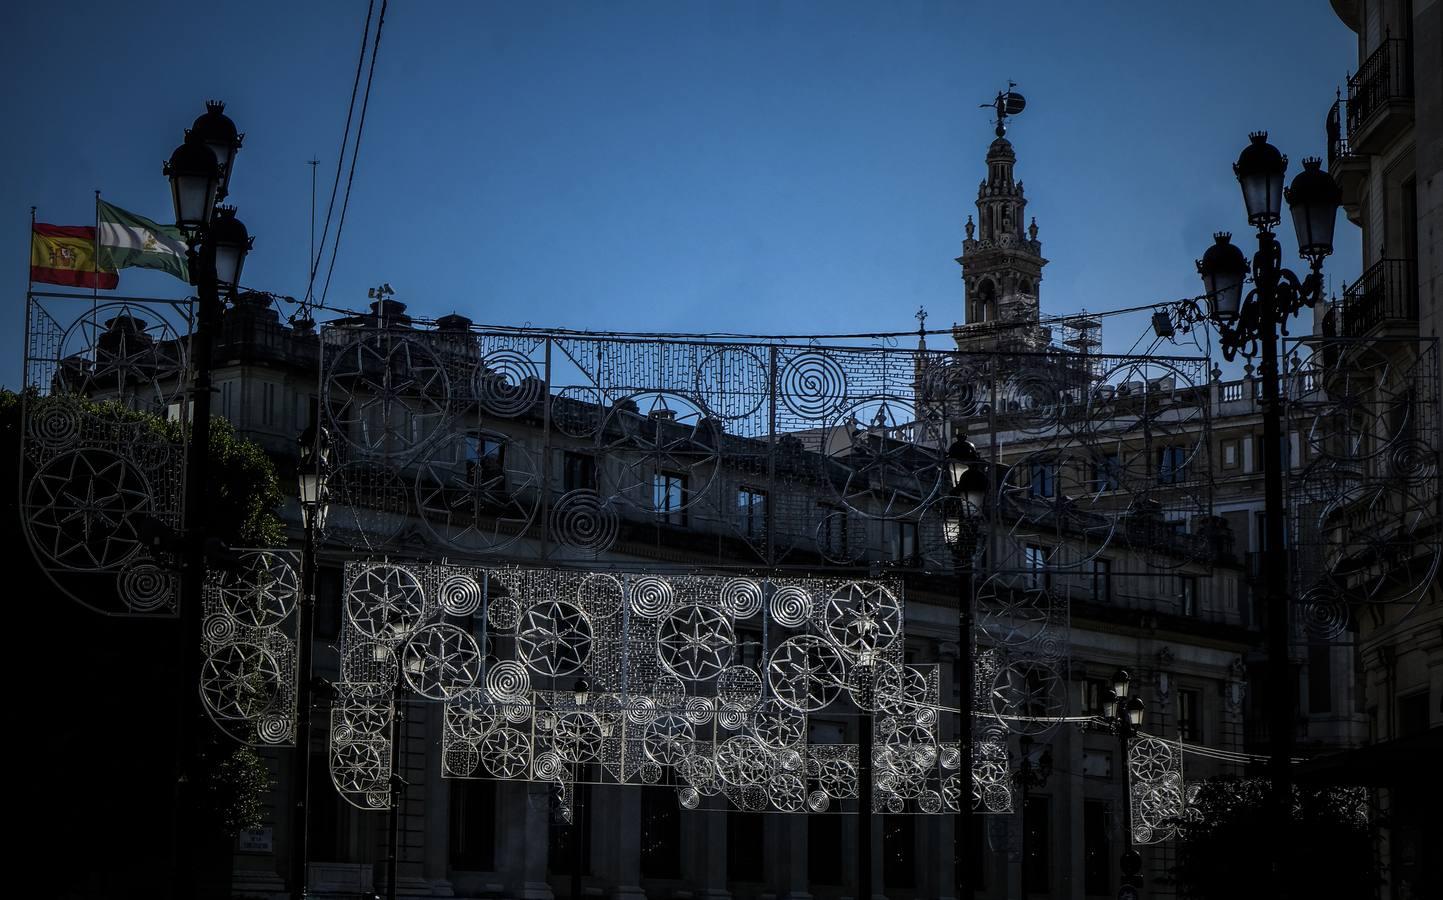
(1002, 264)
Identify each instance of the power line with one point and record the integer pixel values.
(355, 150)
(315, 262)
(715, 335)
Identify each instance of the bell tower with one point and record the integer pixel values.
(1001, 256)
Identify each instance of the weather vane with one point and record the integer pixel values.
(1008, 103)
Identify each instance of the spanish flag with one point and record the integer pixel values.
(65, 254)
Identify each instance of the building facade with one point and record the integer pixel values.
(1386, 152)
(1184, 630)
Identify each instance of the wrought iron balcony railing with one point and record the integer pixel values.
(1338, 147)
(1386, 292)
(1386, 75)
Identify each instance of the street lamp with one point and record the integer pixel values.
(197, 178)
(1251, 324)
(1124, 714)
(227, 247)
(194, 177)
(215, 130)
(312, 475)
(581, 693)
(962, 516)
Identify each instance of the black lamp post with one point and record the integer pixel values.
(581, 694)
(1124, 713)
(961, 526)
(1251, 324)
(1028, 777)
(312, 475)
(197, 181)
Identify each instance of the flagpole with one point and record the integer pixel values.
(95, 262)
(29, 288)
(29, 273)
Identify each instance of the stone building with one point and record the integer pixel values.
(1165, 594)
(1385, 150)
(1184, 630)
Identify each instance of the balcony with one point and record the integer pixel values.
(1380, 97)
(1384, 295)
(1348, 169)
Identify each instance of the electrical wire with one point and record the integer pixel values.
(733, 335)
(315, 262)
(355, 150)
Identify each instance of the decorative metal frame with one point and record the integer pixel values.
(97, 483)
(248, 679)
(1159, 797)
(1365, 500)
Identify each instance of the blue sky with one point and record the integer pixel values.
(771, 167)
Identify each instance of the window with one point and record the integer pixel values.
(1189, 716)
(1043, 481)
(1036, 865)
(1172, 465)
(1413, 714)
(748, 646)
(225, 400)
(486, 462)
(668, 496)
(1096, 854)
(660, 832)
(1187, 594)
(1097, 764)
(578, 472)
(1107, 473)
(268, 403)
(1102, 580)
(899, 845)
(1231, 455)
(752, 511)
(473, 824)
(1320, 678)
(1035, 561)
(746, 847)
(327, 608)
(832, 534)
(1093, 691)
(904, 545)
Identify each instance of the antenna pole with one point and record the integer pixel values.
(311, 260)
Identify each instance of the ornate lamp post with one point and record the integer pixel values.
(1124, 714)
(1028, 778)
(581, 693)
(199, 172)
(961, 526)
(312, 475)
(1250, 325)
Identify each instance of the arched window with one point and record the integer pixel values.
(1025, 286)
(986, 298)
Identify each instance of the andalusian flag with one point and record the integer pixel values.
(65, 254)
(130, 240)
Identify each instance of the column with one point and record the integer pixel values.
(535, 841)
(616, 840)
(709, 853)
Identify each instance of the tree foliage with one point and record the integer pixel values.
(242, 495)
(237, 782)
(243, 490)
(1227, 845)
